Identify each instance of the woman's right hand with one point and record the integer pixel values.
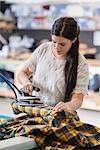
(27, 87)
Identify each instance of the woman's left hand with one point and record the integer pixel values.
(63, 106)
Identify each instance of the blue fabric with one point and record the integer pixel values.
(3, 116)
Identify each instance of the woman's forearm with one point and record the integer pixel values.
(22, 77)
(76, 101)
(71, 106)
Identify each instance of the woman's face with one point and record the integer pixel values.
(61, 46)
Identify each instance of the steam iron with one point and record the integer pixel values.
(23, 98)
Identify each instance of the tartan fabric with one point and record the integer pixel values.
(1, 120)
(60, 131)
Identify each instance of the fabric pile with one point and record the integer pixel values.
(60, 131)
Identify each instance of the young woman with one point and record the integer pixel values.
(58, 70)
(61, 74)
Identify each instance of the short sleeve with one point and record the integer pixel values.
(34, 58)
(82, 77)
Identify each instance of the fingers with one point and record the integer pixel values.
(63, 106)
(58, 107)
(28, 88)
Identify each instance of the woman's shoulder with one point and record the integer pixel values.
(41, 49)
(45, 45)
(82, 59)
(83, 64)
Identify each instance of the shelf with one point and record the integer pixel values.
(6, 18)
(49, 2)
(53, 14)
(7, 61)
(7, 93)
(94, 62)
(32, 29)
(92, 101)
(47, 28)
(42, 16)
(10, 64)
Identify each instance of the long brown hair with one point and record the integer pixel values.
(67, 27)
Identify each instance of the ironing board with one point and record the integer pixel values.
(18, 143)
